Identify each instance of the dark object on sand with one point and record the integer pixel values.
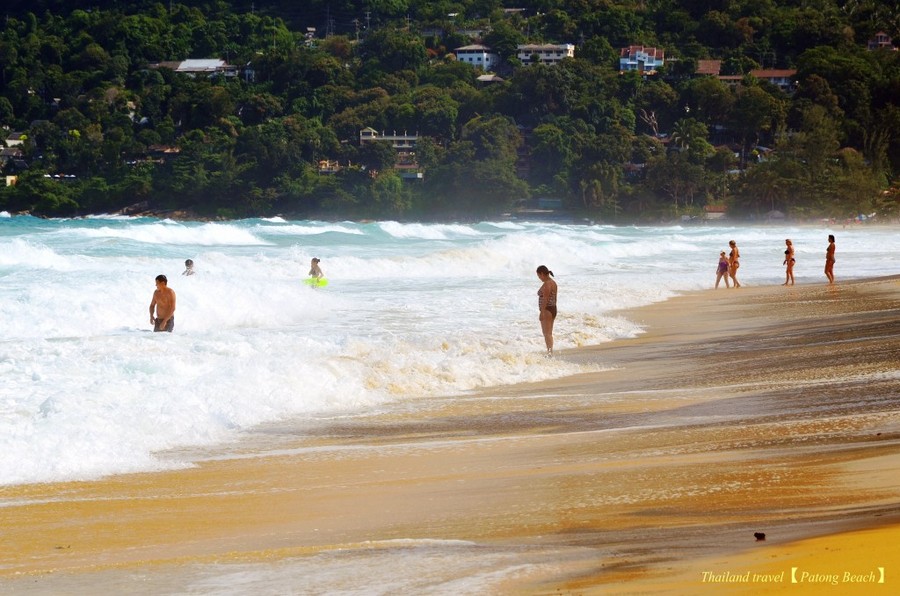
(759, 536)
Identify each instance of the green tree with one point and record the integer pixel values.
(756, 114)
(43, 195)
(600, 186)
(690, 135)
(675, 177)
(710, 100)
(763, 189)
(477, 175)
(260, 107)
(494, 138)
(718, 165)
(855, 188)
(815, 143)
(504, 39)
(815, 90)
(390, 50)
(204, 171)
(881, 142)
(552, 155)
(435, 113)
(392, 197)
(6, 111)
(378, 155)
(599, 51)
(850, 74)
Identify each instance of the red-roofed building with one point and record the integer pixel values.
(781, 78)
(709, 67)
(715, 212)
(881, 41)
(641, 58)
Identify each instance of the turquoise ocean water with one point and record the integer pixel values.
(411, 311)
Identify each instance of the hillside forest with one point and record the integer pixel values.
(96, 119)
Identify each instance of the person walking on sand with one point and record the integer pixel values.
(829, 259)
(722, 271)
(164, 303)
(734, 261)
(314, 270)
(547, 306)
(788, 262)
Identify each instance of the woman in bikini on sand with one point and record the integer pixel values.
(788, 262)
(734, 261)
(547, 306)
(829, 260)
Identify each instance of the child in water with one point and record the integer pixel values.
(314, 270)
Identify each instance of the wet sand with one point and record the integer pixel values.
(772, 409)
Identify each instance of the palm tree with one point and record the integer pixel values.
(688, 132)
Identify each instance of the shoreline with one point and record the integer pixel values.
(718, 421)
(188, 215)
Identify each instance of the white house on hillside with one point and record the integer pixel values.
(641, 58)
(194, 67)
(404, 144)
(15, 139)
(546, 53)
(477, 55)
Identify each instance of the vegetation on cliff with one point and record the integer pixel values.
(103, 128)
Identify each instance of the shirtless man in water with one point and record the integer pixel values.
(164, 303)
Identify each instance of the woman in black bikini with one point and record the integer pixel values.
(789, 262)
(547, 306)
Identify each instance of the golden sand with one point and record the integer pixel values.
(772, 410)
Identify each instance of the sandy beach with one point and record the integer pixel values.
(762, 410)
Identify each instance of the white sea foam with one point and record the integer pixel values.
(440, 567)
(112, 216)
(413, 566)
(426, 232)
(171, 232)
(411, 310)
(21, 252)
(310, 230)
